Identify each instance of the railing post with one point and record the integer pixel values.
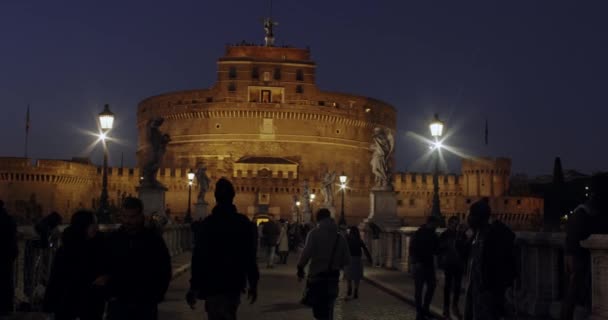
(390, 249)
(598, 246)
(540, 274)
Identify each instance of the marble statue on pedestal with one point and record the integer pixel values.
(382, 147)
(327, 189)
(203, 182)
(156, 147)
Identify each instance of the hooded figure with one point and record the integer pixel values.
(224, 258)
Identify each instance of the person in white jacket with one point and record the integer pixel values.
(325, 253)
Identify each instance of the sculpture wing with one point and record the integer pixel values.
(391, 141)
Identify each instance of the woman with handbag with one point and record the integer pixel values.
(324, 264)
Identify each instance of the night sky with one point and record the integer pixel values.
(536, 70)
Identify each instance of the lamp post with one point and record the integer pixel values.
(436, 127)
(343, 178)
(312, 200)
(106, 122)
(299, 218)
(188, 218)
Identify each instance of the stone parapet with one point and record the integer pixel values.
(598, 245)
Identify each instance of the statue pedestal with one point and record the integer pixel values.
(306, 216)
(200, 211)
(153, 198)
(383, 210)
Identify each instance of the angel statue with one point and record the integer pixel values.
(382, 147)
(203, 182)
(327, 189)
(157, 145)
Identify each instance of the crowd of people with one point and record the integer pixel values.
(125, 273)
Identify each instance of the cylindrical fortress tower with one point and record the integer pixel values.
(265, 107)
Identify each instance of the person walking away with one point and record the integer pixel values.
(270, 240)
(283, 246)
(453, 255)
(8, 254)
(354, 272)
(325, 253)
(423, 248)
(587, 219)
(72, 292)
(493, 264)
(224, 259)
(140, 267)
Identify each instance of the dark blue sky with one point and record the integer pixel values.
(537, 70)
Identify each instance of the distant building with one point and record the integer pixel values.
(267, 126)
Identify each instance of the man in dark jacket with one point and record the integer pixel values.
(493, 264)
(8, 254)
(270, 239)
(423, 248)
(140, 267)
(452, 259)
(587, 219)
(224, 258)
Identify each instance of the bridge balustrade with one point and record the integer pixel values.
(35, 259)
(540, 284)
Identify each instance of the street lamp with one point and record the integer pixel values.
(106, 122)
(436, 127)
(342, 178)
(298, 206)
(188, 217)
(312, 200)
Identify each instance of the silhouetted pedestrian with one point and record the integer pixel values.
(354, 272)
(327, 252)
(452, 259)
(493, 264)
(224, 259)
(78, 263)
(270, 239)
(140, 267)
(8, 254)
(283, 247)
(424, 246)
(587, 219)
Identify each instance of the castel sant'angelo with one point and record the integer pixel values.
(267, 127)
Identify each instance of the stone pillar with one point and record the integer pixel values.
(201, 210)
(539, 271)
(405, 243)
(383, 210)
(153, 198)
(598, 246)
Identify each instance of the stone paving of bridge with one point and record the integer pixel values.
(279, 292)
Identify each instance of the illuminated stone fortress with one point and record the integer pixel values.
(266, 126)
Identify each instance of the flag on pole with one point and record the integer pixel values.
(27, 128)
(486, 133)
(27, 120)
